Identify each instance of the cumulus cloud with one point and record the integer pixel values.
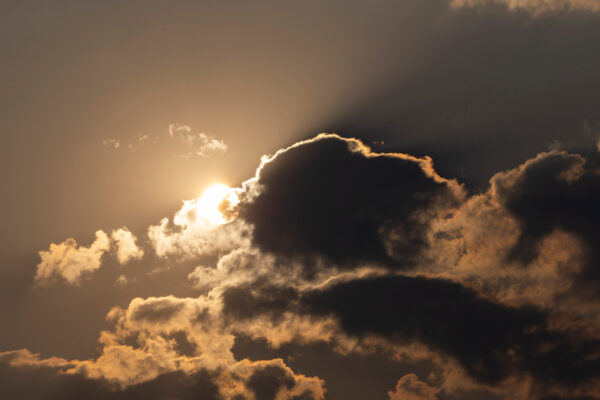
(72, 263)
(156, 339)
(68, 261)
(125, 243)
(333, 198)
(535, 6)
(530, 238)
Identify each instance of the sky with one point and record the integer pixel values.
(269, 200)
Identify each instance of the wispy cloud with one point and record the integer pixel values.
(111, 143)
(180, 139)
(195, 143)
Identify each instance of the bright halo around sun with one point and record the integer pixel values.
(218, 205)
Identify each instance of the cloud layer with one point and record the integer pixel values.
(535, 6)
(367, 253)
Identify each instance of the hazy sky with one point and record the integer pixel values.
(442, 245)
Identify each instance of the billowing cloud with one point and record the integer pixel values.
(158, 339)
(68, 261)
(535, 6)
(333, 198)
(125, 243)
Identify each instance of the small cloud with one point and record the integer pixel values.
(194, 144)
(111, 143)
(121, 281)
(178, 129)
(138, 141)
(69, 261)
(127, 248)
(180, 139)
(409, 387)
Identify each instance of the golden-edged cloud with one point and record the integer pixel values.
(126, 246)
(71, 262)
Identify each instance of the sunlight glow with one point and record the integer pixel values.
(218, 204)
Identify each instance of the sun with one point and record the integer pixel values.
(218, 205)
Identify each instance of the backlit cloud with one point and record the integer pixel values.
(69, 261)
(125, 243)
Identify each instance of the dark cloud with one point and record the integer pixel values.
(485, 89)
(442, 314)
(41, 383)
(266, 382)
(491, 341)
(329, 198)
(248, 302)
(484, 336)
(157, 310)
(555, 190)
(347, 376)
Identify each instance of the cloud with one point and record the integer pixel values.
(111, 143)
(127, 248)
(158, 339)
(500, 348)
(40, 380)
(535, 6)
(375, 253)
(201, 144)
(530, 238)
(68, 261)
(180, 140)
(73, 263)
(121, 281)
(333, 198)
(409, 387)
(188, 237)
